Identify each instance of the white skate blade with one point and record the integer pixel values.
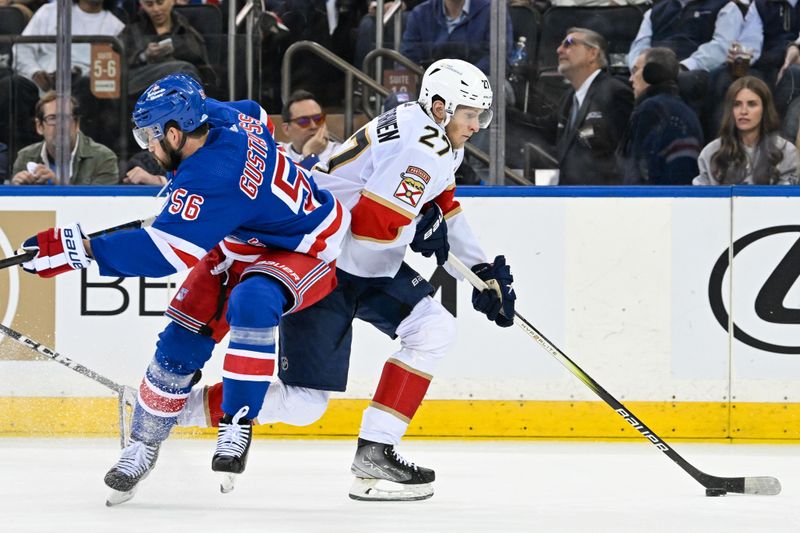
(117, 497)
(381, 490)
(227, 482)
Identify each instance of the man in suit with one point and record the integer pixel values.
(593, 115)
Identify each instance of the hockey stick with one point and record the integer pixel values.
(715, 486)
(18, 259)
(125, 395)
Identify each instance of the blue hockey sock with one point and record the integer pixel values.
(254, 309)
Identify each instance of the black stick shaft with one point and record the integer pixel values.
(736, 484)
(66, 361)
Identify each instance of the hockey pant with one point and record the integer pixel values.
(425, 334)
(255, 306)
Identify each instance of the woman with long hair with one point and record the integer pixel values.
(749, 148)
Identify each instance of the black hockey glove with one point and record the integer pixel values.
(431, 235)
(496, 302)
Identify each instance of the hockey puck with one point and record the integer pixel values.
(716, 492)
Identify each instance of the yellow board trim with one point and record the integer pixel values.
(482, 419)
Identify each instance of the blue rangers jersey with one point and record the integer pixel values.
(226, 114)
(237, 188)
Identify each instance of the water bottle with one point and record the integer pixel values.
(519, 59)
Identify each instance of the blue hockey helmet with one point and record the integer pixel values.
(177, 98)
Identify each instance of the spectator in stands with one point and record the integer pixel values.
(700, 32)
(749, 149)
(592, 115)
(664, 137)
(307, 20)
(304, 125)
(160, 41)
(788, 79)
(365, 34)
(17, 111)
(437, 29)
(765, 48)
(91, 163)
(37, 62)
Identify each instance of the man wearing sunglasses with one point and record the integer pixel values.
(304, 126)
(593, 115)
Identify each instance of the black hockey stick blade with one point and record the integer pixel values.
(714, 485)
(18, 259)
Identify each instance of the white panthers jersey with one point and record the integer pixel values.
(385, 173)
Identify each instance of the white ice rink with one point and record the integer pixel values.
(297, 486)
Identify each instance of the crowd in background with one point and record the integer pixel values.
(670, 93)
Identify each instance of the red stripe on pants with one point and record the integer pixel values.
(249, 366)
(400, 389)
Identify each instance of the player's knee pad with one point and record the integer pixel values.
(426, 335)
(182, 351)
(256, 302)
(298, 406)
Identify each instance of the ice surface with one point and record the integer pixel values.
(488, 486)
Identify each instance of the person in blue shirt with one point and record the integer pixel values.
(437, 29)
(261, 239)
(700, 32)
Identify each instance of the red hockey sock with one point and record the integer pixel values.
(401, 389)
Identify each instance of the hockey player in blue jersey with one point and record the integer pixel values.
(396, 175)
(262, 240)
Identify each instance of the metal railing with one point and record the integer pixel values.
(118, 46)
(349, 70)
(250, 14)
(352, 72)
(382, 18)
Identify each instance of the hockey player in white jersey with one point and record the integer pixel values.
(396, 175)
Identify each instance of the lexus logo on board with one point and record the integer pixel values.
(769, 304)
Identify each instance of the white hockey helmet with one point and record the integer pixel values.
(457, 83)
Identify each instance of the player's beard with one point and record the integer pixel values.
(174, 157)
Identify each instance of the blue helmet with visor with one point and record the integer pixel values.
(177, 98)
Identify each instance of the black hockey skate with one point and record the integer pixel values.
(233, 443)
(384, 475)
(137, 460)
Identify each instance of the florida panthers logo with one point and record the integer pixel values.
(412, 185)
